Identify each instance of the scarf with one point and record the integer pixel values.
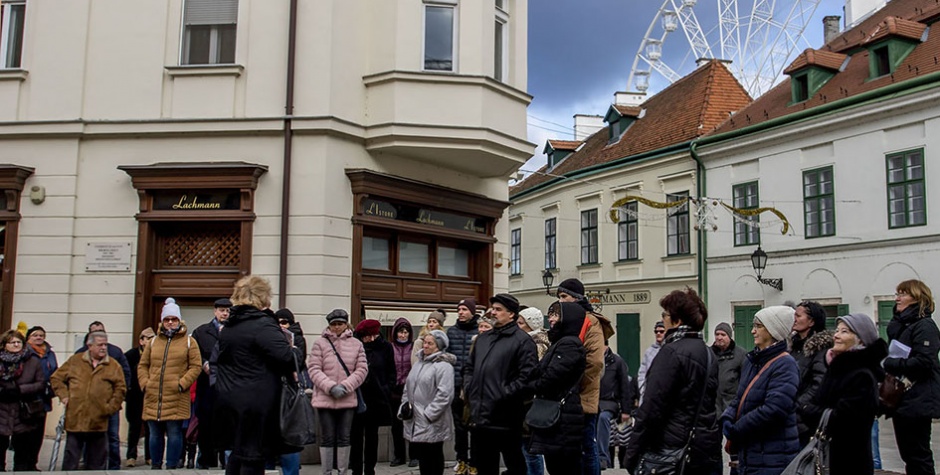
(40, 350)
(170, 333)
(680, 332)
(11, 364)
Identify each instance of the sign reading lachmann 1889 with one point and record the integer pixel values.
(414, 214)
(197, 201)
(620, 298)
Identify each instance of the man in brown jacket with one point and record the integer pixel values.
(91, 386)
(596, 330)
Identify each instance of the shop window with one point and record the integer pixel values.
(375, 253)
(413, 257)
(453, 261)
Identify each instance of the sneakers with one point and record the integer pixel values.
(461, 468)
(130, 463)
(472, 471)
(413, 463)
(396, 462)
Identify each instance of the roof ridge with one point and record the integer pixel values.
(709, 83)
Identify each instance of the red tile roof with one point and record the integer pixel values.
(893, 26)
(565, 144)
(812, 57)
(854, 78)
(628, 111)
(683, 111)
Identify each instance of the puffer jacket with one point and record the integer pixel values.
(94, 393)
(28, 384)
(402, 351)
(498, 377)
(598, 331)
(377, 388)
(460, 338)
(729, 373)
(683, 375)
(326, 371)
(765, 434)
(616, 390)
(49, 365)
(430, 390)
(811, 362)
(921, 367)
(167, 368)
(558, 376)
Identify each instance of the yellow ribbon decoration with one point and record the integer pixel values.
(757, 211)
(615, 208)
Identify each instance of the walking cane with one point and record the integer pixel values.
(59, 430)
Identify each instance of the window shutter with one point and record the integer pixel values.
(210, 12)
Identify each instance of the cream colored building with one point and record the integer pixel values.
(153, 142)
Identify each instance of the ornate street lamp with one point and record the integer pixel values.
(759, 262)
(547, 279)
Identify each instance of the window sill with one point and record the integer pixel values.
(205, 70)
(677, 257)
(13, 74)
(628, 262)
(590, 265)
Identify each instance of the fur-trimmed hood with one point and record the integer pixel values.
(821, 341)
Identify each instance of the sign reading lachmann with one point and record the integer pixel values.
(398, 212)
(622, 298)
(193, 200)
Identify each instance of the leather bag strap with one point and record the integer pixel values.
(751, 384)
(338, 357)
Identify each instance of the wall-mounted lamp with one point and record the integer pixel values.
(547, 279)
(37, 194)
(759, 262)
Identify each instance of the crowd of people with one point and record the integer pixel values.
(543, 393)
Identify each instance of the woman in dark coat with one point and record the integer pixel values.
(559, 376)
(254, 353)
(913, 326)
(21, 379)
(850, 389)
(761, 425)
(377, 392)
(681, 387)
(29, 443)
(402, 349)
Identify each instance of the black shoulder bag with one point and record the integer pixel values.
(298, 420)
(662, 461)
(361, 408)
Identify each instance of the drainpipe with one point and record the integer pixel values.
(702, 234)
(288, 149)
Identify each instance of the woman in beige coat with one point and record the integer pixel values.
(169, 366)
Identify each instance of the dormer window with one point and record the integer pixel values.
(558, 150)
(801, 87)
(619, 118)
(881, 62)
(890, 43)
(811, 70)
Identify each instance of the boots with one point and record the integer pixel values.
(190, 456)
(326, 460)
(342, 459)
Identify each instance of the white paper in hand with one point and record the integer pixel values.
(898, 350)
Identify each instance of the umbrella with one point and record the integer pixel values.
(59, 430)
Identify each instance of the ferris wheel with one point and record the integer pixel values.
(759, 38)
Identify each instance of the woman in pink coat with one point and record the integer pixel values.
(337, 366)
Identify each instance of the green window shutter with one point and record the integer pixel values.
(628, 340)
(885, 314)
(743, 321)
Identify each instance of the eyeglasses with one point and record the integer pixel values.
(900, 293)
(757, 326)
(283, 322)
(659, 331)
(14, 342)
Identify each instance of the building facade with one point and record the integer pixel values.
(354, 153)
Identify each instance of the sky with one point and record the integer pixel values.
(581, 53)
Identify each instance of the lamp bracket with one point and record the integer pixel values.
(775, 283)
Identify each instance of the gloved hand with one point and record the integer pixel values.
(338, 391)
(726, 428)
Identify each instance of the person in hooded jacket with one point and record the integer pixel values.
(402, 349)
(913, 326)
(559, 375)
(377, 391)
(809, 343)
(760, 423)
(616, 402)
(337, 365)
(850, 389)
(170, 364)
(460, 336)
(681, 388)
(429, 391)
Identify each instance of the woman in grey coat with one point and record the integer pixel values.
(429, 390)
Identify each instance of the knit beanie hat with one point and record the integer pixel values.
(337, 314)
(170, 309)
(441, 339)
(572, 287)
(487, 319)
(724, 327)
(285, 314)
(470, 303)
(778, 320)
(533, 318)
(368, 327)
(508, 301)
(862, 326)
(437, 316)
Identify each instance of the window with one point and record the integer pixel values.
(439, 37)
(907, 202)
(375, 253)
(413, 257)
(627, 233)
(550, 241)
(746, 228)
(589, 236)
(501, 42)
(209, 28)
(819, 210)
(515, 252)
(453, 261)
(12, 21)
(881, 61)
(677, 225)
(800, 88)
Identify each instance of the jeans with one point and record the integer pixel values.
(114, 441)
(170, 434)
(290, 464)
(335, 426)
(93, 444)
(533, 462)
(589, 463)
(875, 449)
(603, 439)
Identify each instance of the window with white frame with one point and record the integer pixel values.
(550, 243)
(209, 29)
(501, 42)
(12, 22)
(677, 225)
(628, 233)
(515, 252)
(589, 236)
(439, 35)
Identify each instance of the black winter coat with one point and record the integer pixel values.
(206, 336)
(616, 390)
(254, 354)
(850, 389)
(810, 356)
(460, 336)
(498, 377)
(674, 385)
(377, 388)
(765, 434)
(922, 366)
(134, 398)
(730, 362)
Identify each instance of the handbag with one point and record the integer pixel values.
(32, 409)
(297, 417)
(620, 432)
(361, 408)
(890, 392)
(663, 461)
(544, 413)
(814, 458)
(405, 411)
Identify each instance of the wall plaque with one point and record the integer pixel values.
(108, 257)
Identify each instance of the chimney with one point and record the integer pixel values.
(830, 28)
(622, 98)
(585, 125)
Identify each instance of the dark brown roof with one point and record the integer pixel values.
(812, 57)
(854, 78)
(565, 144)
(683, 111)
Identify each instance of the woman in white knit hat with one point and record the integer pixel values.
(760, 422)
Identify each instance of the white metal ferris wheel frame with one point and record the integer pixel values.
(759, 47)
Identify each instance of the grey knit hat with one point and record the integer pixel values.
(441, 339)
(862, 326)
(724, 327)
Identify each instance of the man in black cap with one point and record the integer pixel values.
(497, 381)
(207, 336)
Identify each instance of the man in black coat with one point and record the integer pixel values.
(498, 379)
(134, 403)
(730, 358)
(460, 337)
(377, 392)
(616, 402)
(207, 335)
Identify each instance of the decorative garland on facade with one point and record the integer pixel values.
(704, 212)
